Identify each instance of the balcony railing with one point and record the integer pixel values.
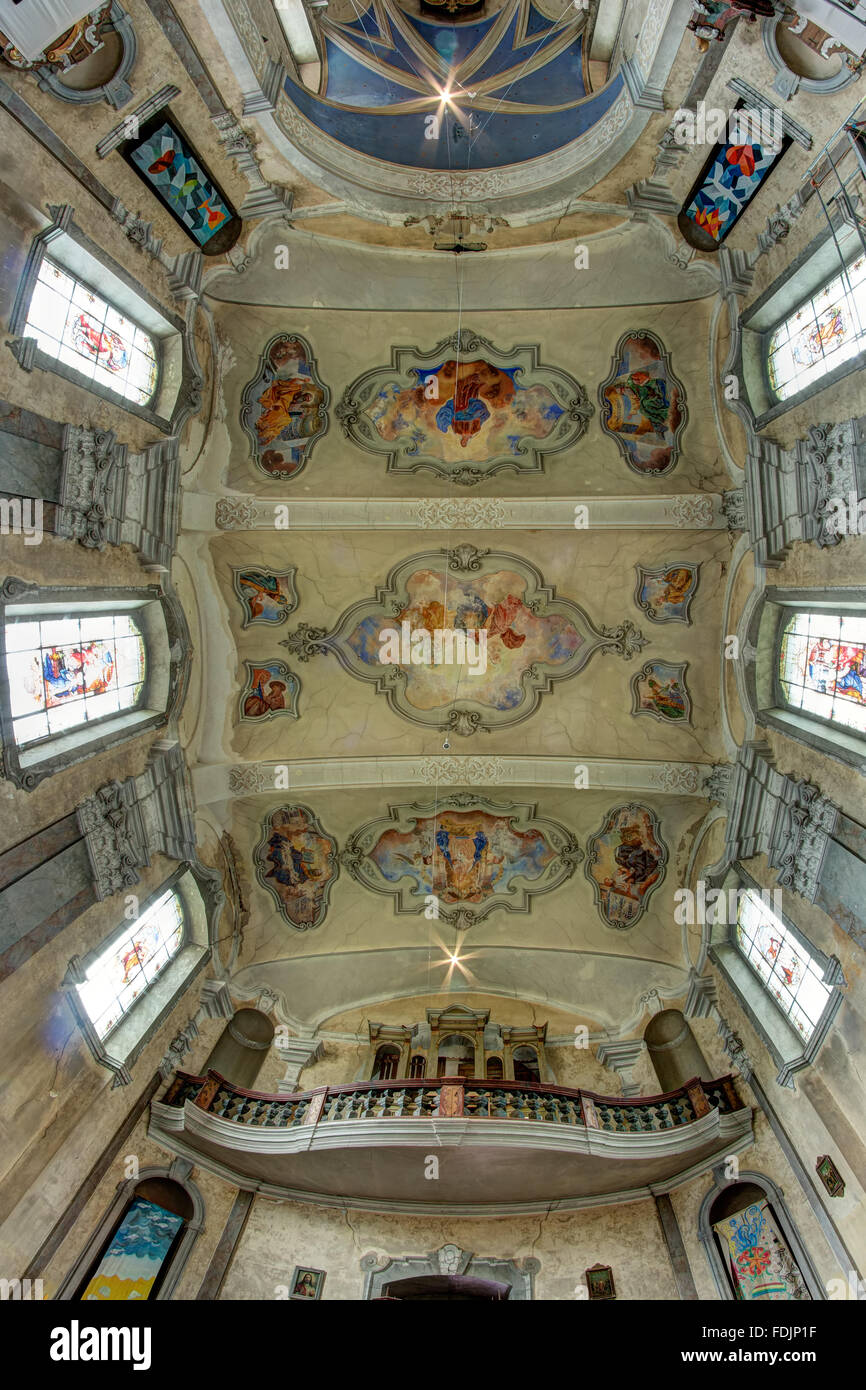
(455, 1097)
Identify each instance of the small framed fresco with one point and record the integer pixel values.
(165, 160)
(307, 1283)
(269, 688)
(660, 691)
(830, 1176)
(643, 405)
(599, 1282)
(284, 409)
(665, 594)
(265, 597)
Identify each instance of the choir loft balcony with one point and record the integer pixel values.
(502, 1146)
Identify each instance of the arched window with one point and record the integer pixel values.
(494, 1069)
(123, 990)
(75, 325)
(417, 1068)
(387, 1063)
(456, 1056)
(128, 964)
(822, 666)
(754, 1248)
(526, 1064)
(140, 1247)
(825, 330)
(66, 671)
(783, 963)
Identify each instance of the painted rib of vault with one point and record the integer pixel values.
(473, 855)
(533, 639)
(382, 74)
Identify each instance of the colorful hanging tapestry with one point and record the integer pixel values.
(759, 1261)
(136, 1253)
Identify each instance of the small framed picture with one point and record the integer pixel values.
(599, 1282)
(830, 1176)
(307, 1283)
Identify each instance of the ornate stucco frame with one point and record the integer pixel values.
(616, 370)
(467, 345)
(522, 815)
(468, 716)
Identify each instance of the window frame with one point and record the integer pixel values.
(163, 626)
(48, 739)
(789, 1050)
(117, 396)
(120, 1048)
(815, 266)
(765, 693)
(177, 394)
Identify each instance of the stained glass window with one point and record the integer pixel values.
(827, 329)
(131, 962)
(73, 324)
(822, 667)
(785, 968)
(67, 671)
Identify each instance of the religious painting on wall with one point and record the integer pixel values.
(625, 862)
(659, 690)
(599, 1282)
(643, 405)
(759, 1262)
(830, 1176)
(465, 410)
(136, 1253)
(265, 597)
(471, 857)
(735, 172)
(307, 1283)
(822, 667)
(284, 407)
(165, 160)
(665, 594)
(297, 862)
(464, 640)
(269, 688)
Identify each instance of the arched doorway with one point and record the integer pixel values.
(438, 1287)
(526, 1065)
(456, 1056)
(387, 1063)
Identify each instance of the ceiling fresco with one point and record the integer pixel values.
(625, 862)
(464, 640)
(643, 404)
(284, 407)
(465, 410)
(460, 858)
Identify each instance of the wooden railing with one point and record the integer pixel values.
(453, 1097)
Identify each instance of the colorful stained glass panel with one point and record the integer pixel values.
(129, 964)
(822, 667)
(73, 324)
(65, 671)
(785, 967)
(734, 174)
(136, 1253)
(824, 331)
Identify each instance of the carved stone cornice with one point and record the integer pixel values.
(802, 833)
(91, 487)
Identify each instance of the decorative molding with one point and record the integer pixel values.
(111, 824)
(449, 1259)
(455, 772)
(263, 199)
(250, 780)
(801, 836)
(734, 507)
(445, 514)
(180, 1045)
(136, 118)
(732, 1046)
(717, 783)
(116, 89)
(693, 513)
(805, 493)
(678, 777)
(756, 101)
(235, 513)
(622, 1056)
